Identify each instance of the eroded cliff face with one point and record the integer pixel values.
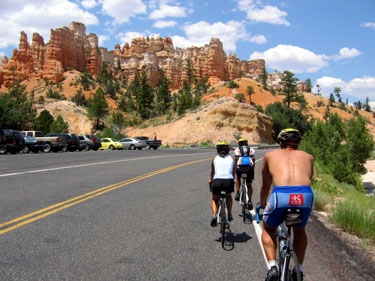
(154, 54)
(70, 48)
(223, 119)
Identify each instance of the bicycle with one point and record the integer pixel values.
(223, 222)
(244, 200)
(288, 261)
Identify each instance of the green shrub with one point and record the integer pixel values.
(356, 216)
(321, 200)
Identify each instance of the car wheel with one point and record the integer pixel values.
(148, 147)
(132, 147)
(26, 149)
(87, 148)
(3, 149)
(47, 148)
(111, 147)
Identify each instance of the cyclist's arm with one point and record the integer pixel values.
(212, 173)
(266, 182)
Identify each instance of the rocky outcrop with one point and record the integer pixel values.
(224, 119)
(154, 55)
(69, 47)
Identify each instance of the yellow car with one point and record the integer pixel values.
(111, 144)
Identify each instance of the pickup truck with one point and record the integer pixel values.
(151, 143)
(54, 144)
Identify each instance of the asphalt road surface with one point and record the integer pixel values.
(134, 215)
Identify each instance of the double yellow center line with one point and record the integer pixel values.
(42, 213)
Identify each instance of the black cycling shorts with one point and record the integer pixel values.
(222, 184)
(249, 171)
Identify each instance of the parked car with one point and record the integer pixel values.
(72, 140)
(111, 144)
(12, 141)
(96, 141)
(130, 143)
(151, 143)
(88, 144)
(33, 145)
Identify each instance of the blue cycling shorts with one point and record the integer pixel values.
(285, 197)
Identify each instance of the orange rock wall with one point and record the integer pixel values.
(70, 47)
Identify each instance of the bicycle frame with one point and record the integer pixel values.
(244, 199)
(288, 261)
(223, 222)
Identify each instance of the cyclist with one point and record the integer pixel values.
(290, 171)
(222, 175)
(244, 150)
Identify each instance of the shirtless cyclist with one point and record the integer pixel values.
(290, 171)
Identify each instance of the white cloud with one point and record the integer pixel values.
(359, 87)
(258, 12)
(40, 16)
(327, 85)
(181, 42)
(229, 33)
(89, 4)
(362, 87)
(346, 53)
(120, 9)
(292, 58)
(369, 25)
(258, 39)
(168, 11)
(164, 23)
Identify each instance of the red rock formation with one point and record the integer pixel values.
(70, 47)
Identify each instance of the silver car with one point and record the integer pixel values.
(130, 143)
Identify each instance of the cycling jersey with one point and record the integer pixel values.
(223, 167)
(284, 197)
(223, 178)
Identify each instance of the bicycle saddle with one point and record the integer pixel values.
(293, 217)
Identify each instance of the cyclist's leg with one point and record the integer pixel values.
(272, 217)
(229, 202)
(238, 186)
(269, 242)
(214, 204)
(229, 188)
(300, 243)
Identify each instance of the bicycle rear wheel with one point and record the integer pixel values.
(223, 222)
(290, 269)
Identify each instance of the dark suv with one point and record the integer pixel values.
(96, 141)
(11, 141)
(71, 139)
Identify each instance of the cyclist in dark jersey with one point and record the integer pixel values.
(244, 150)
(223, 170)
(290, 171)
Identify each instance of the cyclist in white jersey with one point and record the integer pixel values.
(223, 171)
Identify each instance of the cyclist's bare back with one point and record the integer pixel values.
(286, 167)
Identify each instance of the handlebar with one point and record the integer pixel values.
(257, 213)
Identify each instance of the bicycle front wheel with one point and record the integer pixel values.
(290, 269)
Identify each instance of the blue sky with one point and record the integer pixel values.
(330, 42)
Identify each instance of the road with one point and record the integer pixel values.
(126, 215)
